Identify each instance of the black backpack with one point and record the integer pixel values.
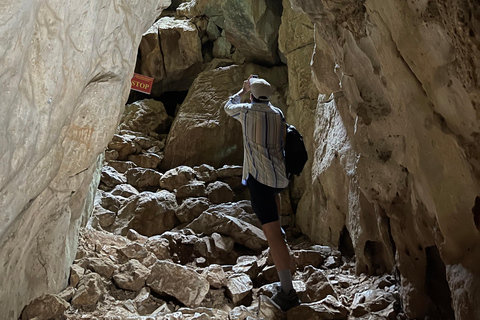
(295, 152)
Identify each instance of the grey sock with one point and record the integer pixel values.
(285, 280)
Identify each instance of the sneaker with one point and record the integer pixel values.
(286, 301)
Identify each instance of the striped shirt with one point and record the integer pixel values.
(263, 129)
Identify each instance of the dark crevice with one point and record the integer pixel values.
(345, 244)
(436, 286)
(171, 100)
(476, 212)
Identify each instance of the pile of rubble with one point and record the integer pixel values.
(185, 244)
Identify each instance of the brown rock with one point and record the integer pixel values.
(193, 189)
(131, 276)
(268, 310)
(76, 273)
(159, 246)
(191, 208)
(146, 159)
(90, 290)
(215, 276)
(328, 308)
(318, 286)
(249, 267)
(257, 42)
(105, 217)
(177, 177)
(205, 173)
(124, 190)
(102, 266)
(110, 177)
(228, 171)
(135, 236)
(148, 213)
(145, 116)
(121, 166)
(67, 294)
(241, 232)
(305, 258)
(174, 45)
(239, 287)
(134, 251)
(219, 192)
(45, 307)
(186, 285)
(143, 178)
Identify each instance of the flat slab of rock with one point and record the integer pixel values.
(189, 287)
(241, 232)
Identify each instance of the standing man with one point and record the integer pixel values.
(264, 173)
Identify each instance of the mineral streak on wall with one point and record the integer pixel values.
(65, 70)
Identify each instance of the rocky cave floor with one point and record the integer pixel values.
(185, 244)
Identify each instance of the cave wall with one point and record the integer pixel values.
(395, 162)
(65, 75)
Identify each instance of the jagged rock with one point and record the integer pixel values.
(111, 155)
(143, 178)
(148, 213)
(228, 171)
(371, 301)
(215, 276)
(212, 30)
(242, 232)
(318, 286)
(124, 145)
(328, 308)
(121, 166)
(145, 303)
(270, 289)
(177, 177)
(216, 248)
(145, 116)
(159, 246)
(124, 190)
(203, 314)
(90, 290)
(307, 257)
(105, 217)
(146, 159)
(109, 201)
(102, 266)
(205, 173)
(241, 210)
(333, 262)
(67, 294)
(252, 27)
(45, 307)
(131, 276)
(219, 192)
(201, 118)
(193, 189)
(186, 285)
(135, 236)
(111, 178)
(239, 287)
(76, 273)
(268, 310)
(221, 47)
(134, 251)
(175, 46)
(191, 208)
(242, 313)
(270, 274)
(248, 267)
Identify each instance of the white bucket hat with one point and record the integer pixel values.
(261, 89)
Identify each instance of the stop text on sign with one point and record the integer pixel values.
(142, 83)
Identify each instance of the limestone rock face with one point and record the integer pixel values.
(252, 27)
(202, 133)
(65, 76)
(171, 53)
(395, 161)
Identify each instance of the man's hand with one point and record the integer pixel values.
(246, 86)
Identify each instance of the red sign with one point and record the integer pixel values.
(142, 83)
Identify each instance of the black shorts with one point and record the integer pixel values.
(263, 200)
